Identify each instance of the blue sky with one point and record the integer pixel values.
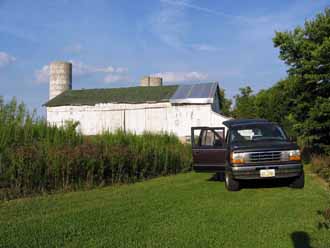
(113, 43)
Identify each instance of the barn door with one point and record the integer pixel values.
(208, 148)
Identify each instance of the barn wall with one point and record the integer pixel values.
(154, 117)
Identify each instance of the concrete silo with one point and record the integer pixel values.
(145, 81)
(60, 78)
(151, 81)
(155, 81)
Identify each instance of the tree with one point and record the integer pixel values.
(225, 103)
(245, 104)
(301, 102)
(306, 51)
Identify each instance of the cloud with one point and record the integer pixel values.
(181, 76)
(169, 24)
(115, 78)
(42, 75)
(6, 59)
(205, 48)
(109, 73)
(187, 4)
(172, 26)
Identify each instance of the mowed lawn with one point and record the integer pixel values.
(186, 210)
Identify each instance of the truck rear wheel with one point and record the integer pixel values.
(298, 182)
(231, 184)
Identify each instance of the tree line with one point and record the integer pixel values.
(301, 101)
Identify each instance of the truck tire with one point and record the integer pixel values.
(298, 182)
(230, 183)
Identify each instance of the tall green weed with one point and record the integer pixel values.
(36, 157)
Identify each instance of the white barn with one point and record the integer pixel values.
(150, 107)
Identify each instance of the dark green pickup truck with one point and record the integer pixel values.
(247, 149)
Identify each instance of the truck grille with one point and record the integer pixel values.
(272, 156)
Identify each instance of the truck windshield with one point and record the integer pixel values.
(256, 132)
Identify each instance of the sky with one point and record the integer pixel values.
(113, 43)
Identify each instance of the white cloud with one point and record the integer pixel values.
(115, 78)
(109, 73)
(121, 70)
(81, 69)
(169, 24)
(188, 4)
(205, 48)
(6, 59)
(181, 76)
(42, 75)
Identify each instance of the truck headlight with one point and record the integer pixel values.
(292, 155)
(238, 157)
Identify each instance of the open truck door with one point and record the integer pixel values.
(209, 149)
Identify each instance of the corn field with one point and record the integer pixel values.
(37, 158)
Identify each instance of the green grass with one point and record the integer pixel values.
(185, 210)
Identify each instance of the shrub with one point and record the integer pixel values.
(321, 166)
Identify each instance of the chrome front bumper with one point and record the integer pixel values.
(253, 172)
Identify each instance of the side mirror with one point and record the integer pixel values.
(293, 139)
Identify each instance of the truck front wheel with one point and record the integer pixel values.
(231, 184)
(298, 182)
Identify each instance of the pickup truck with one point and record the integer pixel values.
(247, 149)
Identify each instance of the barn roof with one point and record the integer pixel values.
(198, 93)
(195, 93)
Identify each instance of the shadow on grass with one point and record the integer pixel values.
(254, 184)
(265, 183)
(300, 240)
(219, 177)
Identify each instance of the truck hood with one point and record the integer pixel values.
(263, 146)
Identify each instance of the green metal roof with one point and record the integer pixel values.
(113, 95)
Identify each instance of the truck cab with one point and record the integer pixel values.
(247, 149)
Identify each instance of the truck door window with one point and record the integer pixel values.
(196, 137)
(208, 137)
(212, 138)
